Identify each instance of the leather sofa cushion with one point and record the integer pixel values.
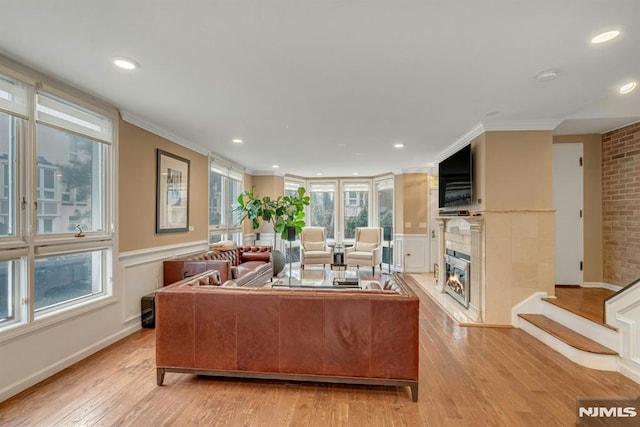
(256, 256)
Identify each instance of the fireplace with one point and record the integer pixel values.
(456, 276)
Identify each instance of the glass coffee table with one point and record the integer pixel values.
(320, 279)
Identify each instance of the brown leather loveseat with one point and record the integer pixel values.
(340, 336)
(245, 265)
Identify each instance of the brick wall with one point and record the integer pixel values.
(621, 204)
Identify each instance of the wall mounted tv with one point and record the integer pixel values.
(455, 179)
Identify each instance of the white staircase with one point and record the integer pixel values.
(586, 342)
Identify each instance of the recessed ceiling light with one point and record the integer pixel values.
(236, 141)
(126, 63)
(629, 87)
(275, 166)
(356, 173)
(319, 174)
(605, 37)
(547, 75)
(398, 145)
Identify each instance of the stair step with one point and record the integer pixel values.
(567, 335)
(585, 302)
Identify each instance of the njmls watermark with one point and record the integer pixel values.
(618, 412)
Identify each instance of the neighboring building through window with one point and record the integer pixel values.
(48, 270)
(322, 207)
(225, 185)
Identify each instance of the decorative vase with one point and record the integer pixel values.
(277, 259)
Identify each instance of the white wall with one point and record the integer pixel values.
(34, 356)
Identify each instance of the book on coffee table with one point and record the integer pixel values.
(347, 281)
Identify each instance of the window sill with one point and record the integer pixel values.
(16, 329)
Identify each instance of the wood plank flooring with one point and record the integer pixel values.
(585, 302)
(468, 377)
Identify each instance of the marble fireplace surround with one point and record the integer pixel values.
(466, 235)
(512, 257)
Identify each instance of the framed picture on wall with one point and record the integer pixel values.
(172, 193)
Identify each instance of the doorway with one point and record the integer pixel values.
(568, 202)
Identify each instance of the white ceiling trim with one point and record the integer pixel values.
(520, 125)
(140, 122)
(465, 139)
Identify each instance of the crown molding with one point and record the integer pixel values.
(519, 125)
(465, 139)
(496, 125)
(146, 125)
(415, 170)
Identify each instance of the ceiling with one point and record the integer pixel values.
(328, 86)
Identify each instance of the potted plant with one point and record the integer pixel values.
(282, 212)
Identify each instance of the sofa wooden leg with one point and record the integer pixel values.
(160, 375)
(414, 392)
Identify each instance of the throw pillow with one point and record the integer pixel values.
(314, 246)
(225, 245)
(365, 247)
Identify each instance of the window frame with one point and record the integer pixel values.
(227, 229)
(27, 245)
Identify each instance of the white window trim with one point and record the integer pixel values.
(26, 245)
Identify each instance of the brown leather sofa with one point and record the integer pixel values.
(246, 265)
(339, 336)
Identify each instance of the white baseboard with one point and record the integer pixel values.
(17, 387)
(530, 305)
(609, 286)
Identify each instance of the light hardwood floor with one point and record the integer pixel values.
(468, 377)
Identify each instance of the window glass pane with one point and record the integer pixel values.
(63, 278)
(70, 182)
(234, 188)
(7, 290)
(215, 198)
(356, 212)
(8, 132)
(385, 203)
(322, 208)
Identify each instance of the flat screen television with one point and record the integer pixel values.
(455, 179)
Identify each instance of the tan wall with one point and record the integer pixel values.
(478, 158)
(592, 200)
(415, 202)
(515, 174)
(621, 205)
(517, 170)
(267, 185)
(398, 195)
(137, 190)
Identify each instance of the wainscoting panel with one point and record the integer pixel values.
(411, 253)
(141, 273)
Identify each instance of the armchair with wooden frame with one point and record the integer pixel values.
(367, 248)
(313, 247)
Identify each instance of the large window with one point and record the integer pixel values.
(322, 207)
(55, 201)
(355, 207)
(225, 185)
(383, 202)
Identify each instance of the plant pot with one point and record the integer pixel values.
(277, 259)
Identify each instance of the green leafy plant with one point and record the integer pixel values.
(282, 212)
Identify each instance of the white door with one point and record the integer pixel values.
(567, 201)
(434, 230)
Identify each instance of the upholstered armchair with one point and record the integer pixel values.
(313, 247)
(367, 248)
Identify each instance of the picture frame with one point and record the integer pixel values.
(172, 193)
